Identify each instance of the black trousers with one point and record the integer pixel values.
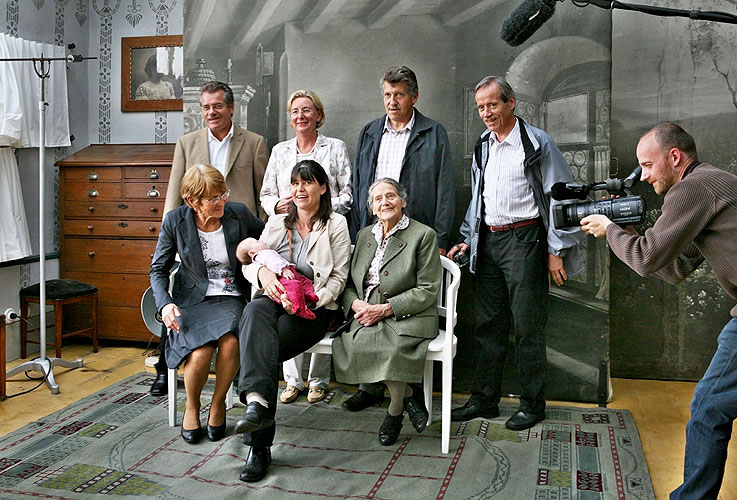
(269, 336)
(511, 291)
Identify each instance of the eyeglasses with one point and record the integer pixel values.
(217, 107)
(223, 197)
(304, 111)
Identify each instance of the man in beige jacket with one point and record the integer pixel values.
(240, 155)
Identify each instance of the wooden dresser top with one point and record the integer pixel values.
(120, 155)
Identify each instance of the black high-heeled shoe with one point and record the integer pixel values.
(191, 436)
(216, 432)
(390, 429)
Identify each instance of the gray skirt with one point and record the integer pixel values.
(202, 324)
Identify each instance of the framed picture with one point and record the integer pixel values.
(153, 73)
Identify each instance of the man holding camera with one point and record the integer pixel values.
(698, 222)
(514, 252)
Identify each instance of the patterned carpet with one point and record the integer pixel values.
(117, 442)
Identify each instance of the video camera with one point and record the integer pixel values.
(621, 211)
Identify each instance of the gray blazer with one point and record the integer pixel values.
(179, 235)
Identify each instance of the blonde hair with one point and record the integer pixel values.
(201, 181)
(312, 97)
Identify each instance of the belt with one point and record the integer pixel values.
(514, 225)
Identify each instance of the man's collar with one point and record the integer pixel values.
(513, 138)
(211, 137)
(410, 124)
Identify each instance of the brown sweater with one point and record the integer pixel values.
(699, 221)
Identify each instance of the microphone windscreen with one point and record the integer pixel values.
(560, 192)
(526, 20)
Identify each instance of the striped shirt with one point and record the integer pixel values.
(508, 196)
(392, 148)
(219, 150)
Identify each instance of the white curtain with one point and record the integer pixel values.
(15, 242)
(19, 128)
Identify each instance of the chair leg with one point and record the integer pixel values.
(427, 389)
(23, 328)
(172, 376)
(447, 393)
(95, 299)
(58, 324)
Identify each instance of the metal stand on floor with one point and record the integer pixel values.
(42, 364)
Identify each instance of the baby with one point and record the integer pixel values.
(299, 289)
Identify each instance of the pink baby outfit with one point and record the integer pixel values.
(299, 290)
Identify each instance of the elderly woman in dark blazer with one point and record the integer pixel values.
(209, 293)
(392, 295)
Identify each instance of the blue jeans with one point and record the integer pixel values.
(713, 410)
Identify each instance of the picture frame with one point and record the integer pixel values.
(152, 73)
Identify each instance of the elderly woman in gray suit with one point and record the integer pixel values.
(209, 293)
(392, 295)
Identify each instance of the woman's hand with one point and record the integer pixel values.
(368, 314)
(282, 206)
(270, 283)
(169, 314)
(286, 303)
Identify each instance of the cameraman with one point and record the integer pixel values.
(698, 222)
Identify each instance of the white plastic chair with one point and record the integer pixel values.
(155, 326)
(442, 348)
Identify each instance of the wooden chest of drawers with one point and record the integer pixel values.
(111, 206)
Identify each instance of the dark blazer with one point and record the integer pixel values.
(427, 175)
(244, 173)
(179, 235)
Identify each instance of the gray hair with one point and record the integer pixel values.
(213, 86)
(387, 180)
(399, 74)
(507, 92)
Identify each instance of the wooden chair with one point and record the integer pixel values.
(59, 293)
(442, 348)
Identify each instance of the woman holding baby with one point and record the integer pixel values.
(315, 239)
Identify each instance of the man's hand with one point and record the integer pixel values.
(282, 206)
(595, 224)
(169, 314)
(460, 247)
(556, 272)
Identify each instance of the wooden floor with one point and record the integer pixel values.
(660, 408)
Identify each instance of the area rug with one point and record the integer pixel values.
(117, 443)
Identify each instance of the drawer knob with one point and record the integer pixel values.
(91, 209)
(92, 193)
(153, 174)
(154, 210)
(90, 228)
(154, 193)
(122, 224)
(152, 229)
(93, 176)
(122, 206)
(91, 253)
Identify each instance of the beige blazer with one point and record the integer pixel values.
(244, 174)
(328, 253)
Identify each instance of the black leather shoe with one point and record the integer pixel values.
(471, 410)
(255, 418)
(361, 400)
(390, 429)
(191, 436)
(522, 420)
(160, 386)
(216, 432)
(257, 464)
(416, 410)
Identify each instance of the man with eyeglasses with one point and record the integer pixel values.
(238, 154)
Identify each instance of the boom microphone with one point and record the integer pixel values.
(526, 20)
(563, 191)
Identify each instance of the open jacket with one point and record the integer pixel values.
(179, 235)
(410, 276)
(328, 254)
(427, 175)
(544, 166)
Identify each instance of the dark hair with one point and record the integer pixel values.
(310, 170)
(150, 68)
(213, 86)
(505, 89)
(399, 74)
(669, 135)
